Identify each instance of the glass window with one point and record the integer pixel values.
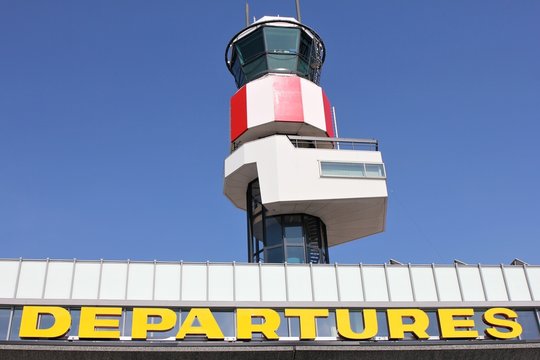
(293, 231)
(357, 320)
(374, 170)
(327, 326)
(237, 72)
(276, 49)
(281, 39)
(305, 47)
(295, 254)
(274, 255)
(303, 70)
(433, 327)
(479, 324)
(15, 325)
(283, 330)
(225, 320)
(255, 68)
(352, 170)
(294, 234)
(75, 318)
(282, 63)
(250, 47)
(258, 227)
(382, 323)
(529, 322)
(273, 231)
(4, 323)
(342, 169)
(294, 326)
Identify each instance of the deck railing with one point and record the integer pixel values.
(334, 143)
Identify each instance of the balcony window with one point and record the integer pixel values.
(352, 170)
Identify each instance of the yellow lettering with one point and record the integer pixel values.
(397, 328)
(30, 317)
(141, 327)
(307, 320)
(270, 323)
(208, 325)
(514, 328)
(448, 325)
(90, 322)
(343, 321)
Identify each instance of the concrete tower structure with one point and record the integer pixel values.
(303, 189)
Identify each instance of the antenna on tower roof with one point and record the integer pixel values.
(247, 14)
(298, 16)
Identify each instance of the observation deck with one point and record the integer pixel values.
(340, 181)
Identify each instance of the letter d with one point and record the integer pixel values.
(29, 322)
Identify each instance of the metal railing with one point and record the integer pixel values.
(334, 143)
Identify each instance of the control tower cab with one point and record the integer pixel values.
(304, 190)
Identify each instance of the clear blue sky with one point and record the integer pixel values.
(114, 125)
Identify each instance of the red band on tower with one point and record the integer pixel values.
(238, 113)
(328, 116)
(288, 99)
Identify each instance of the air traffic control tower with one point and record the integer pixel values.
(304, 190)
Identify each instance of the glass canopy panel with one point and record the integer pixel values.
(250, 46)
(282, 63)
(282, 40)
(282, 48)
(256, 68)
(303, 68)
(237, 71)
(305, 46)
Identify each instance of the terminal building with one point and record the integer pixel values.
(304, 190)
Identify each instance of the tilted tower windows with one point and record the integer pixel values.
(276, 49)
